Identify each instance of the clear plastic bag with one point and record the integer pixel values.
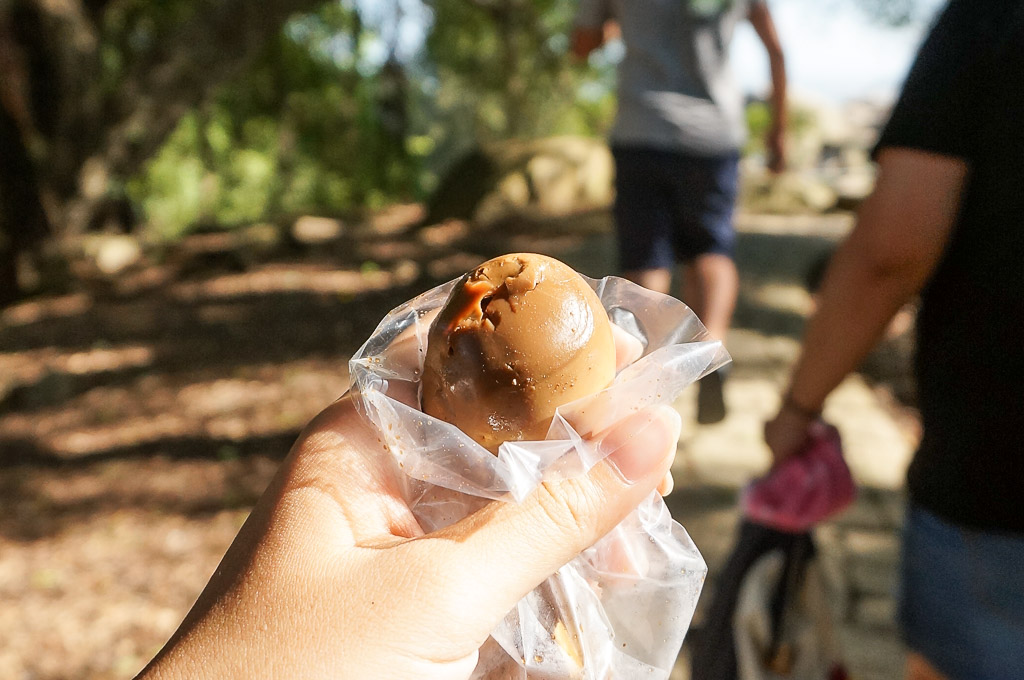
(621, 608)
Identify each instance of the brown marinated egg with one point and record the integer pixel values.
(519, 336)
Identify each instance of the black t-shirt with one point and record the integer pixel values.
(964, 98)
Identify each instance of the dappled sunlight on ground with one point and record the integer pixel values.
(32, 365)
(141, 417)
(34, 311)
(285, 279)
(263, 401)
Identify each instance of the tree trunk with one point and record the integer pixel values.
(93, 124)
(23, 222)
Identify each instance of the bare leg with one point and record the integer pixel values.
(710, 286)
(658, 280)
(918, 668)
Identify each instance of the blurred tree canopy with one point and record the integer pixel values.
(181, 114)
(222, 111)
(92, 89)
(332, 116)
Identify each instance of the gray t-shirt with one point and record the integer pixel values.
(675, 89)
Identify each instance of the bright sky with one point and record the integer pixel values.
(833, 52)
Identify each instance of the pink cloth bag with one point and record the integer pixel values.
(805, 489)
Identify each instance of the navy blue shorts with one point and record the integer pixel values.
(671, 207)
(962, 598)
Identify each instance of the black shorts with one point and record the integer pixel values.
(671, 207)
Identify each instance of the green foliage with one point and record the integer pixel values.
(332, 119)
(504, 70)
(171, 192)
(300, 132)
(131, 32)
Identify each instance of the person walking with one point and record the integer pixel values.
(946, 220)
(676, 140)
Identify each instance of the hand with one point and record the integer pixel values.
(775, 146)
(787, 432)
(331, 576)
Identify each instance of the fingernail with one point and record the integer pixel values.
(638, 445)
(667, 484)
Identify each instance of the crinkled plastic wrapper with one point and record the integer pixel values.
(621, 608)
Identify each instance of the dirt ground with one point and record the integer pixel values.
(140, 418)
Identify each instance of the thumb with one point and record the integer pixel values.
(508, 549)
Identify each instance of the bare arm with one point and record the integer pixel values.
(761, 20)
(901, 233)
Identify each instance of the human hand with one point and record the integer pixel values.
(788, 431)
(331, 576)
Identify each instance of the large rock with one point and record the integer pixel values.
(788, 193)
(853, 186)
(526, 179)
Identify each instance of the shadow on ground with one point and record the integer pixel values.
(141, 417)
(213, 354)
